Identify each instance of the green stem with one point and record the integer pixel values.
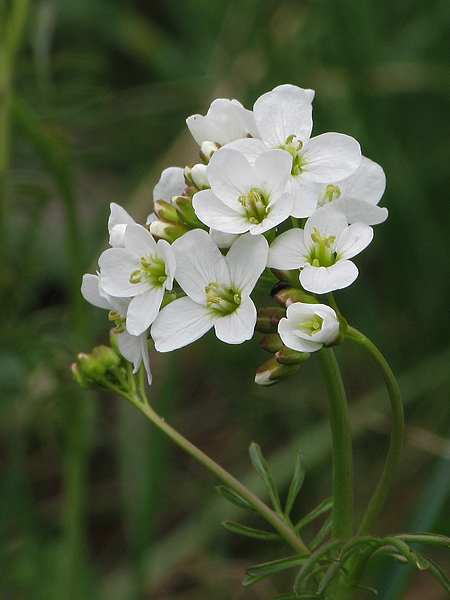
(270, 516)
(396, 443)
(341, 441)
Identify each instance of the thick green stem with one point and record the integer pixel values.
(341, 441)
(287, 532)
(396, 443)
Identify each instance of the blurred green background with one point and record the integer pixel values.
(94, 94)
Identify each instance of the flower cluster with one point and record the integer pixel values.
(266, 195)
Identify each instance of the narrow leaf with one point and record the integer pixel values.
(263, 470)
(431, 539)
(251, 580)
(322, 534)
(411, 556)
(296, 483)
(233, 497)
(323, 507)
(276, 565)
(331, 572)
(301, 595)
(364, 588)
(257, 534)
(438, 574)
(310, 562)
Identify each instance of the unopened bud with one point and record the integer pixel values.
(196, 176)
(107, 356)
(164, 210)
(271, 342)
(272, 372)
(268, 319)
(186, 212)
(90, 367)
(77, 376)
(207, 149)
(290, 295)
(287, 356)
(167, 230)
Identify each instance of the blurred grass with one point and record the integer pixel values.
(101, 93)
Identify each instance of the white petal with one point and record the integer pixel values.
(134, 349)
(360, 211)
(367, 183)
(284, 111)
(139, 240)
(353, 239)
(223, 240)
(180, 323)
(278, 212)
(331, 157)
(328, 221)
(166, 254)
(288, 251)
(305, 196)
(230, 175)
(143, 310)
(246, 260)
(251, 148)
(116, 266)
(199, 263)
(238, 326)
(90, 291)
(322, 280)
(171, 183)
(289, 337)
(118, 216)
(214, 213)
(272, 170)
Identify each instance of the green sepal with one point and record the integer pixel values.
(256, 534)
(430, 539)
(263, 471)
(268, 319)
(271, 342)
(323, 507)
(287, 356)
(164, 210)
(233, 497)
(296, 483)
(265, 569)
(186, 213)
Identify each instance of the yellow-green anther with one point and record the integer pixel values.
(220, 299)
(136, 276)
(314, 326)
(332, 192)
(237, 299)
(119, 328)
(315, 263)
(162, 279)
(323, 241)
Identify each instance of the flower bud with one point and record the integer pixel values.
(290, 295)
(271, 342)
(90, 367)
(286, 356)
(107, 356)
(164, 210)
(207, 149)
(167, 230)
(272, 372)
(77, 376)
(196, 176)
(185, 211)
(268, 319)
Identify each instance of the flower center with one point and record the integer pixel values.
(119, 320)
(220, 300)
(331, 193)
(314, 325)
(255, 205)
(298, 161)
(321, 252)
(152, 270)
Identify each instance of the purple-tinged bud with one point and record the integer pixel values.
(207, 149)
(168, 230)
(107, 356)
(186, 212)
(90, 367)
(78, 377)
(271, 342)
(272, 372)
(164, 210)
(290, 295)
(286, 356)
(268, 319)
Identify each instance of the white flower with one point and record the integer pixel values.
(322, 250)
(245, 197)
(284, 120)
(143, 270)
(117, 223)
(218, 291)
(132, 347)
(357, 196)
(225, 121)
(307, 327)
(171, 183)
